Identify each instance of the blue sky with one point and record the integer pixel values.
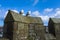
(39, 8)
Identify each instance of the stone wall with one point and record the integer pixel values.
(20, 31)
(4, 39)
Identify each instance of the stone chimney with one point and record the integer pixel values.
(21, 12)
(28, 13)
(9, 10)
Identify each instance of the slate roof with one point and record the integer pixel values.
(26, 19)
(56, 20)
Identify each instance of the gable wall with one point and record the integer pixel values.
(51, 27)
(20, 31)
(8, 30)
(57, 31)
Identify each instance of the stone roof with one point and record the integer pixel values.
(55, 20)
(26, 19)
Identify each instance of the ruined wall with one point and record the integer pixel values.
(31, 31)
(24, 31)
(40, 33)
(20, 31)
(8, 30)
(4, 39)
(36, 32)
(57, 31)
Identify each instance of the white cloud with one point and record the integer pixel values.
(57, 9)
(22, 11)
(54, 13)
(36, 13)
(5, 14)
(29, 12)
(15, 11)
(47, 10)
(35, 2)
(45, 18)
(23, 14)
(57, 13)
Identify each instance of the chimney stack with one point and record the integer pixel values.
(28, 13)
(21, 12)
(9, 10)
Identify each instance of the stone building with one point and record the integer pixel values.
(1, 31)
(54, 27)
(18, 27)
